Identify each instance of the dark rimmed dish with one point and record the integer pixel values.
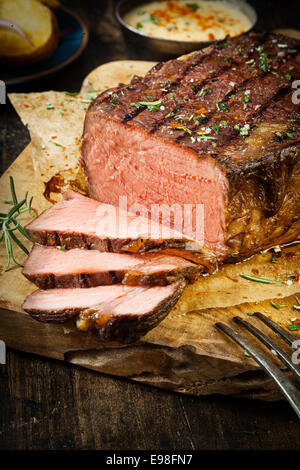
(73, 40)
(152, 47)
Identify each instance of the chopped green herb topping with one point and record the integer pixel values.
(205, 136)
(263, 62)
(153, 19)
(193, 6)
(294, 327)
(151, 105)
(257, 279)
(71, 93)
(278, 306)
(181, 128)
(216, 128)
(55, 143)
(222, 107)
(222, 45)
(115, 99)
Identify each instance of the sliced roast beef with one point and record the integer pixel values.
(50, 267)
(118, 313)
(218, 127)
(81, 222)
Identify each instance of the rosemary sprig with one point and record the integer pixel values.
(9, 224)
(257, 279)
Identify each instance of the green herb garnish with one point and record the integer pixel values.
(216, 128)
(55, 143)
(204, 91)
(152, 105)
(9, 224)
(182, 128)
(244, 131)
(222, 107)
(222, 45)
(294, 327)
(139, 25)
(71, 93)
(153, 19)
(263, 62)
(115, 99)
(278, 306)
(206, 137)
(257, 279)
(200, 118)
(50, 106)
(193, 6)
(288, 76)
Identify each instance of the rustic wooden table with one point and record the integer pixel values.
(50, 405)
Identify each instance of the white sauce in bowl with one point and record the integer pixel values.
(188, 20)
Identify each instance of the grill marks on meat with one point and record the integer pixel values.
(118, 313)
(247, 140)
(50, 268)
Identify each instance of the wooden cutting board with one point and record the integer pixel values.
(185, 352)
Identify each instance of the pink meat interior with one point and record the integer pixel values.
(45, 260)
(118, 298)
(123, 160)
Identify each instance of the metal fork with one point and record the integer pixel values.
(286, 386)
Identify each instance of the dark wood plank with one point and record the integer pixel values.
(50, 405)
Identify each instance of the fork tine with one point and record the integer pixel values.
(270, 344)
(288, 337)
(283, 383)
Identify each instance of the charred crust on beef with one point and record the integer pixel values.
(247, 134)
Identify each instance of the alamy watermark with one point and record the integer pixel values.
(2, 92)
(2, 352)
(160, 221)
(296, 94)
(296, 353)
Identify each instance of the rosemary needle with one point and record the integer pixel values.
(257, 279)
(9, 224)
